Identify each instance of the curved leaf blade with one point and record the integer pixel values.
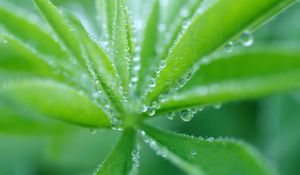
(14, 56)
(97, 55)
(18, 120)
(106, 15)
(61, 28)
(207, 33)
(207, 157)
(148, 51)
(120, 161)
(249, 74)
(121, 43)
(55, 100)
(30, 33)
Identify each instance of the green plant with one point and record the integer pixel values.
(173, 67)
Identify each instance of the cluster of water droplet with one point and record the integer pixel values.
(135, 156)
(150, 109)
(185, 115)
(98, 167)
(160, 151)
(246, 39)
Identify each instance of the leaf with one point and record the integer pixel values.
(106, 15)
(180, 22)
(148, 51)
(206, 157)
(96, 54)
(120, 161)
(120, 43)
(207, 33)
(18, 120)
(30, 33)
(249, 74)
(71, 39)
(14, 56)
(55, 100)
(60, 27)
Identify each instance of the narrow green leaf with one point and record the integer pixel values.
(60, 27)
(207, 33)
(55, 100)
(18, 120)
(207, 157)
(185, 13)
(30, 33)
(106, 14)
(15, 57)
(97, 55)
(121, 160)
(148, 51)
(120, 44)
(249, 74)
(173, 11)
(100, 62)
(71, 39)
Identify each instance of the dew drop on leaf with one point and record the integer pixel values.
(193, 153)
(134, 79)
(162, 64)
(116, 124)
(152, 83)
(229, 47)
(155, 105)
(151, 111)
(186, 115)
(171, 115)
(210, 139)
(144, 108)
(246, 39)
(135, 156)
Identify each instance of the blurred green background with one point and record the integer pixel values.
(270, 124)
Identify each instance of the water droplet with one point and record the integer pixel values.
(171, 115)
(193, 153)
(151, 111)
(229, 47)
(246, 39)
(182, 82)
(136, 59)
(135, 156)
(186, 115)
(162, 64)
(116, 124)
(152, 83)
(134, 79)
(210, 139)
(155, 105)
(144, 108)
